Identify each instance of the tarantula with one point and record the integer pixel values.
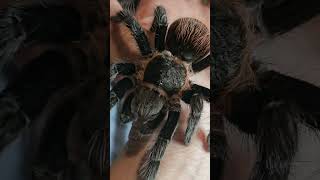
(150, 90)
(264, 104)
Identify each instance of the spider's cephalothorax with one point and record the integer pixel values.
(262, 103)
(150, 90)
(165, 72)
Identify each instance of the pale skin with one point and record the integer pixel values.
(190, 162)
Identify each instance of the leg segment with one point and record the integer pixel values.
(219, 143)
(21, 24)
(151, 125)
(125, 112)
(283, 15)
(195, 98)
(159, 26)
(201, 65)
(126, 69)
(196, 104)
(136, 30)
(130, 5)
(151, 162)
(119, 90)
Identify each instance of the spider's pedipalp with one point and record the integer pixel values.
(151, 163)
(119, 90)
(159, 26)
(136, 31)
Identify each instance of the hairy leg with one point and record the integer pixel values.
(119, 90)
(201, 65)
(130, 5)
(151, 161)
(136, 31)
(194, 98)
(159, 26)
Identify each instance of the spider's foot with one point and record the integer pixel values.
(149, 170)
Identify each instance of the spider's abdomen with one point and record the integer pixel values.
(163, 71)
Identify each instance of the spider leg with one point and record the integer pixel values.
(159, 26)
(276, 140)
(219, 144)
(125, 111)
(304, 94)
(195, 98)
(151, 163)
(126, 69)
(202, 64)
(136, 30)
(119, 89)
(196, 104)
(130, 5)
(21, 25)
(275, 14)
(97, 156)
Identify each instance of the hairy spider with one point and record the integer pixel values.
(150, 90)
(264, 104)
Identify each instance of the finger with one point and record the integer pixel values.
(114, 7)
